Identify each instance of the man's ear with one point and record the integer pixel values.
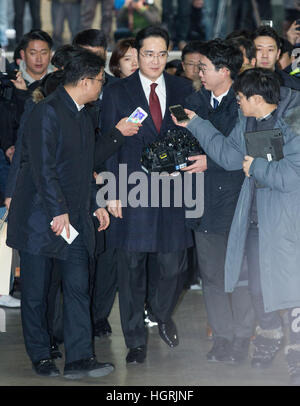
(253, 62)
(22, 53)
(258, 99)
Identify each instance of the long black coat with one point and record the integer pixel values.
(55, 177)
(143, 229)
(221, 187)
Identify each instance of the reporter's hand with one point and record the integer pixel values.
(19, 83)
(61, 222)
(103, 217)
(190, 115)
(246, 164)
(114, 207)
(127, 128)
(7, 202)
(10, 152)
(200, 164)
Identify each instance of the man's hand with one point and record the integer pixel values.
(293, 35)
(247, 163)
(115, 208)
(103, 218)
(7, 202)
(127, 128)
(200, 164)
(61, 222)
(10, 152)
(19, 83)
(190, 114)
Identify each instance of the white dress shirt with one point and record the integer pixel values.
(160, 90)
(219, 98)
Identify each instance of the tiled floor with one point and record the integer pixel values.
(183, 365)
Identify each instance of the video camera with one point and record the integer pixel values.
(170, 154)
(6, 86)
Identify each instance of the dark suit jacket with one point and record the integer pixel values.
(143, 229)
(221, 187)
(55, 177)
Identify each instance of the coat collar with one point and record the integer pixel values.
(68, 101)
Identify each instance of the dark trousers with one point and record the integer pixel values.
(35, 280)
(87, 15)
(19, 6)
(228, 315)
(105, 285)
(61, 12)
(132, 281)
(266, 320)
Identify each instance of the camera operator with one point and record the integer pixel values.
(35, 53)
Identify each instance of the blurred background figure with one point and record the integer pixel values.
(19, 7)
(215, 18)
(196, 30)
(87, 15)
(62, 10)
(3, 23)
(135, 15)
(123, 61)
(172, 66)
(176, 20)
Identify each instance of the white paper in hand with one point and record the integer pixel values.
(73, 233)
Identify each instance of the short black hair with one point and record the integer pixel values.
(83, 64)
(191, 47)
(151, 31)
(35, 35)
(267, 31)
(62, 55)
(245, 43)
(90, 38)
(240, 33)
(223, 54)
(259, 81)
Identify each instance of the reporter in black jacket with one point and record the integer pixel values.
(231, 319)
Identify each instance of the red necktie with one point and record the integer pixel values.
(154, 107)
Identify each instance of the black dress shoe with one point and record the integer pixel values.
(87, 367)
(102, 328)
(239, 350)
(136, 355)
(54, 351)
(220, 351)
(168, 333)
(45, 367)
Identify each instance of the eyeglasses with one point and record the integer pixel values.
(149, 55)
(99, 80)
(192, 65)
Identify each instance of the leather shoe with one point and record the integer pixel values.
(168, 333)
(136, 355)
(87, 367)
(54, 351)
(45, 367)
(102, 328)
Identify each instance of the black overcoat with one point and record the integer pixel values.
(55, 177)
(143, 229)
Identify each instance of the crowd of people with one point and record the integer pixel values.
(64, 125)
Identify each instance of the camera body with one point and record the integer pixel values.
(170, 154)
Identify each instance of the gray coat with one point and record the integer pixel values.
(278, 203)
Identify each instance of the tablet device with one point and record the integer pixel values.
(266, 144)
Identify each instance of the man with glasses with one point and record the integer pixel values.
(190, 58)
(143, 234)
(229, 316)
(53, 192)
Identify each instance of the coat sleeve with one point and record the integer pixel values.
(283, 175)
(41, 139)
(225, 151)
